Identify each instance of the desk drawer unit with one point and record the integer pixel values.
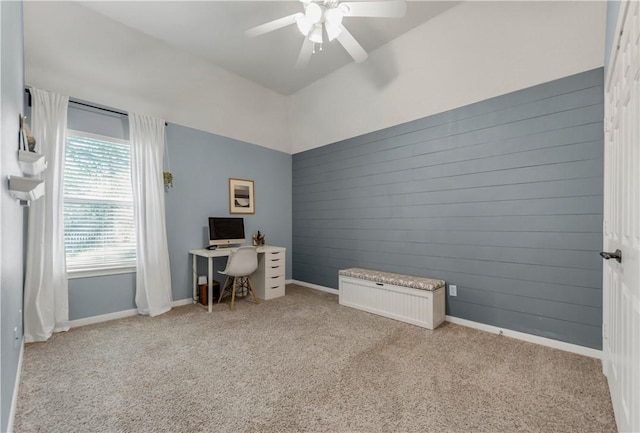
(268, 280)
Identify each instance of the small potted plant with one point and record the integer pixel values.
(258, 239)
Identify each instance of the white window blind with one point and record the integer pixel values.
(99, 230)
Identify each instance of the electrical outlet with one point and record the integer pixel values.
(453, 290)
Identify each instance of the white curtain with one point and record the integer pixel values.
(46, 292)
(153, 279)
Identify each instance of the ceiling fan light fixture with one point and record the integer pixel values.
(333, 22)
(313, 13)
(303, 24)
(316, 34)
(332, 31)
(344, 9)
(333, 17)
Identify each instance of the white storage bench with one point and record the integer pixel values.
(415, 300)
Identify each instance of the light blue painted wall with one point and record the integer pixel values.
(11, 213)
(95, 296)
(613, 8)
(502, 198)
(201, 164)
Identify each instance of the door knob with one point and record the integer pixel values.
(617, 254)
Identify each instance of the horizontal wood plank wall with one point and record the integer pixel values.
(502, 198)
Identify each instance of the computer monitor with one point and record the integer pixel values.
(226, 231)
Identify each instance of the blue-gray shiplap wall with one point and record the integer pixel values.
(502, 198)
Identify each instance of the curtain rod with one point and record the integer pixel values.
(90, 106)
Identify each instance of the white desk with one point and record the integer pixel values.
(268, 279)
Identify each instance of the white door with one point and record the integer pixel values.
(621, 309)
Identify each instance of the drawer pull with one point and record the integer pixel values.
(278, 252)
(275, 287)
(275, 260)
(273, 278)
(379, 284)
(275, 267)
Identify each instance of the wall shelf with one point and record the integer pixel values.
(26, 189)
(32, 163)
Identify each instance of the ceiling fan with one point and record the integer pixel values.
(322, 17)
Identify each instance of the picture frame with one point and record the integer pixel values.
(241, 196)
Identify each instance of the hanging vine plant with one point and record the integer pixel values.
(168, 179)
(167, 176)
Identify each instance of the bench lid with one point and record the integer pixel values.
(402, 280)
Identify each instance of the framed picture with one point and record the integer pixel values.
(241, 196)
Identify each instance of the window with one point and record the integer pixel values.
(99, 234)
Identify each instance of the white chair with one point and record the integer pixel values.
(241, 264)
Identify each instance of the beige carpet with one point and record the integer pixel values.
(302, 363)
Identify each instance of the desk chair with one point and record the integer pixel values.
(240, 266)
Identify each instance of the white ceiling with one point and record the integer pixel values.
(214, 30)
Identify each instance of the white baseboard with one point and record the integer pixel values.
(102, 318)
(16, 387)
(543, 341)
(119, 315)
(314, 286)
(181, 302)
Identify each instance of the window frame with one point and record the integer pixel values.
(97, 271)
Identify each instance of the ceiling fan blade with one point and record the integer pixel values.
(352, 46)
(272, 25)
(305, 54)
(377, 9)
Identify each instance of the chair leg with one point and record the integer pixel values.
(224, 287)
(255, 299)
(233, 293)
